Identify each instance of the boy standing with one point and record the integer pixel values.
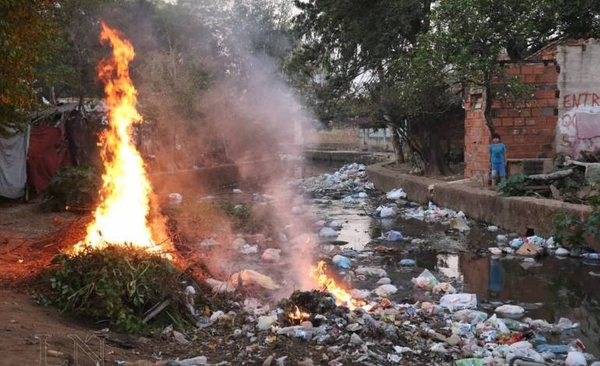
(497, 159)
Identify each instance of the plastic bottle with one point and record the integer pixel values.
(592, 255)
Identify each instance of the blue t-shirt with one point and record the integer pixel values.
(496, 276)
(497, 152)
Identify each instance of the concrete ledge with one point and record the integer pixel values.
(210, 178)
(514, 214)
(365, 157)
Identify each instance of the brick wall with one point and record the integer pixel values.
(527, 126)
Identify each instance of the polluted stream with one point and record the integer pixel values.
(548, 287)
(422, 284)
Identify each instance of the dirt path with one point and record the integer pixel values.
(33, 334)
(37, 335)
(24, 246)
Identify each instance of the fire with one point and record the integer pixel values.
(341, 296)
(298, 316)
(122, 215)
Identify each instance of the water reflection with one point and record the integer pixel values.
(559, 287)
(495, 277)
(356, 228)
(449, 266)
(563, 287)
(549, 289)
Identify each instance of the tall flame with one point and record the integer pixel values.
(122, 215)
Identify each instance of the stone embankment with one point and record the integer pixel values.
(515, 214)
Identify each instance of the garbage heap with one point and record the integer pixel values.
(442, 327)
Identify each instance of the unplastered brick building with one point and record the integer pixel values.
(560, 114)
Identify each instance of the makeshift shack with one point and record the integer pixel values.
(59, 136)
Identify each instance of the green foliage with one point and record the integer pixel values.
(513, 186)
(27, 37)
(568, 229)
(115, 284)
(248, 218)
(75, 186)
(194, 221)
(573, 231)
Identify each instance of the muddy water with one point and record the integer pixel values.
(549, 289)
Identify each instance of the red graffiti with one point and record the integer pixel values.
(583, 99)
(567, 120)
(566, 141)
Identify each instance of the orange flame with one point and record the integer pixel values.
(341, 296)
(298, 316)
(122, 215)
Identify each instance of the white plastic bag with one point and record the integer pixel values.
(461, 301)
(426, 280)
(444, 288)
(575, 359)
(387, 212)
(328, 232)
(248, 277)
(175, 199)
(498, 324)
(470, 316)
(509, 309)
(394, 235)
(395, 194)
(370, 271)
(385, 290)
(271, 255)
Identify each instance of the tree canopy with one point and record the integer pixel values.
(404, 63)
(27, 34)
(408, 63)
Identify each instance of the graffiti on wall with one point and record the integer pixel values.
(579, 124)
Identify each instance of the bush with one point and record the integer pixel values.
(74, 186)
(514, 186)
(115, 284)
(249, 218)
(572, 231)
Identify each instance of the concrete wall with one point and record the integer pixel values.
(338, 137)
(204, 180)
(376, 139)
(346, 156)
(578, 125)
(349, 136)
(514, 214)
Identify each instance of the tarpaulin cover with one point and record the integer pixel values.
(13, 171)
(48, 152)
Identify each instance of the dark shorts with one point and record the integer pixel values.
(498, 170)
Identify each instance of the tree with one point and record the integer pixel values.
(198, 80)
(27, 34)
(468, 36)
(362, 50)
